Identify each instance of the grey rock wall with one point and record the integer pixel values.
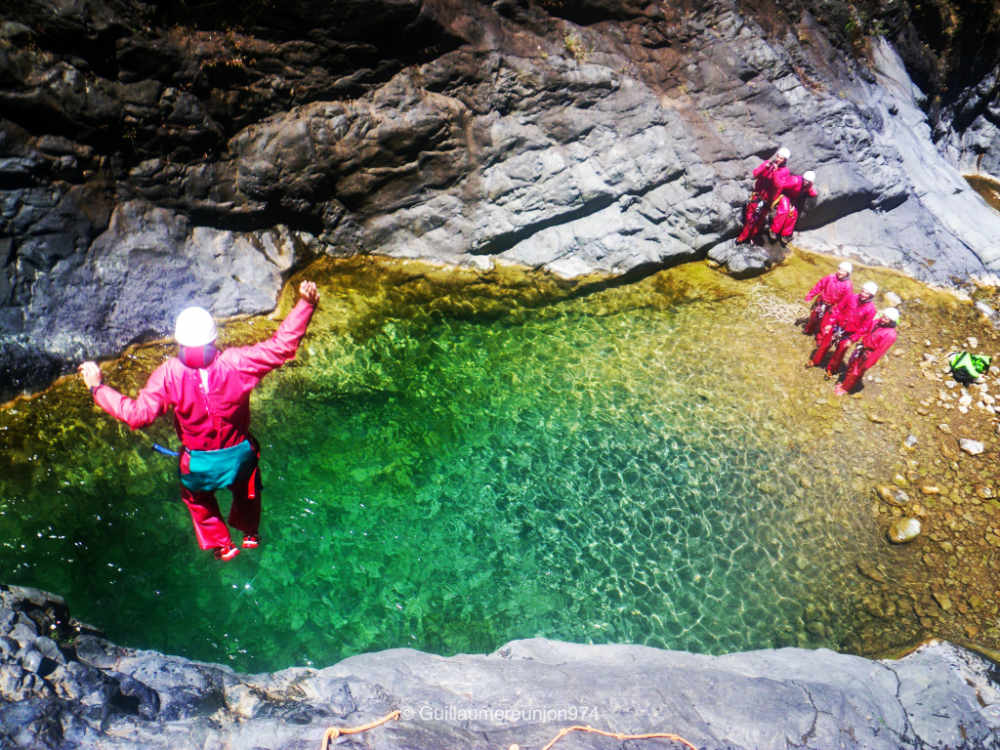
(63, 686)
(155, 155)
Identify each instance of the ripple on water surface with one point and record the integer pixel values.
(601, 469)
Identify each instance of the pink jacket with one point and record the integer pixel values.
(876, 343)
(794, 187)
(769, 180)
(216, 415)
(831, 289)
(854, 317)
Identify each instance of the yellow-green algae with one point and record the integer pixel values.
(687, 346)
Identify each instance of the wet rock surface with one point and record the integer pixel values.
(157, 153)
(63, 686)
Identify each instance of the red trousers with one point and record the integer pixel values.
(244, 514)
(823, 342)
(785, 216)
(855, 371)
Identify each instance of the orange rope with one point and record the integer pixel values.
(334, 732)
(617, 736)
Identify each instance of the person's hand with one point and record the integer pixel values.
(309, 292)
(91, 374)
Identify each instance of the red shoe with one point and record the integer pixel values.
(226, 553)
(251, 541)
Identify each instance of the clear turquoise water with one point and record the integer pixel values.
(449, 484)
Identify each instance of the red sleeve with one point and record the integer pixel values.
(281, 347)
(151, 402)
(759, 170)
(820, 286)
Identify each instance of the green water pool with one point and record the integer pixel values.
(607, 468)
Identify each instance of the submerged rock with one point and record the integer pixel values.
(972, 447)
(904, 530)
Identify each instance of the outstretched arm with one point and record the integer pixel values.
(281, 347)
(138, 412)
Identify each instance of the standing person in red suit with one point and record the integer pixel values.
(769, 176)
(828, 291)
(788, 206)
(845, 324)
(870, 349)
(209, 392)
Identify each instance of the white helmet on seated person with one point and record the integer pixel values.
(870, 287)
(845, 267)
(783, 153)
(809, 176)
(891, 313)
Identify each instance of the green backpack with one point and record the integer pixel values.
(966, 368)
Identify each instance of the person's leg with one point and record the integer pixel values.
(823, 341)
(245, 511)
(825, 324)
(779, 221)
(837, 358)
(788, 224)
(209, 528)
(855, 371)
(815, 315)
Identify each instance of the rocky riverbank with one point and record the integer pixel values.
(157, 155)
(64, 686)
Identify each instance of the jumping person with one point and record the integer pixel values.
(209, 391)
(769, 176)
(789, 205)
(845, 324)
(828, 292)
(870, 349)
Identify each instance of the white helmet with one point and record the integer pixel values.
(891, 313)
(809, 176)
(784, 153)
(194, 327)
(845, 267)
(870, 287)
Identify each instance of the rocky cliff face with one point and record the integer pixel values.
(64, 686)
(158, 154)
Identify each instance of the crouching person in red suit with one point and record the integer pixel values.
(870, 349)
(828, 291)
(209, 392)
(790, 204)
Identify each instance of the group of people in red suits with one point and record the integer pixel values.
(779, 192)
(840, 318)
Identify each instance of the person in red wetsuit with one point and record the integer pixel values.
(209, 391)
(828, 292)
(870, 349)
(845, 324)
(768, 179)
(788, 206)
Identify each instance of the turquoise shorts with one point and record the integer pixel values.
(213, 470)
